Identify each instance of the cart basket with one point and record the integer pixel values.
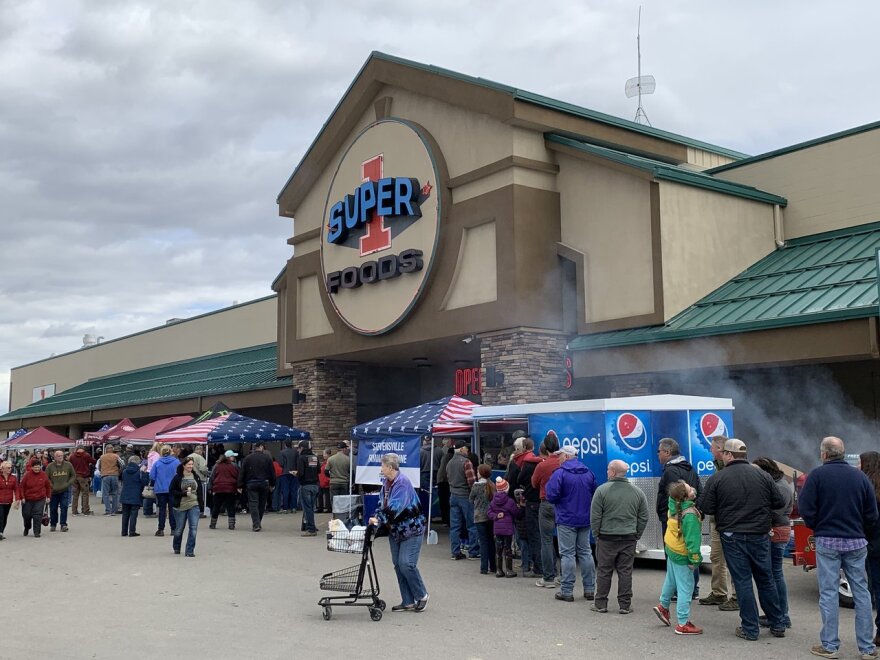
(347, 580)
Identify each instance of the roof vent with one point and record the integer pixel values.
(173, 321)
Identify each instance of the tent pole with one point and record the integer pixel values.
(430, 489)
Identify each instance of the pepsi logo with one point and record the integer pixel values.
(632, 432)
(712, 425)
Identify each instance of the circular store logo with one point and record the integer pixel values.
(381, 226)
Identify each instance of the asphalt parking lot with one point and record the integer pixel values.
(90, 593)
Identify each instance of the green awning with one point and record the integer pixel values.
(815, 279)
(253, 368)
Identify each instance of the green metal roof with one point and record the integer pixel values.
(666, 172)
(797, 147)
(245, 369)
(525, 97)
(814, 279)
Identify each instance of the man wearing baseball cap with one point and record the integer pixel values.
(742, 498)
(223, 484)
(570, 489)
(462, 528)
(307, 472)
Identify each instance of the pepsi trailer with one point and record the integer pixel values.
(628, 429)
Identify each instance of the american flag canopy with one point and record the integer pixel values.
(232, 428)
(437, 417)
(238, 428)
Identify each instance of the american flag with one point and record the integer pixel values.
(232, 428)
(438, 417)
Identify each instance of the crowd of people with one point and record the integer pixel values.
(174, 484)
(548, 506)
(547, 509)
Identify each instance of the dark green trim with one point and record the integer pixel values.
(666, 172)
(143, 332)
(855, 230)
(520, 95)
(796, 147)
(661, 333)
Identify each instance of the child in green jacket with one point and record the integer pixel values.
(682, 541)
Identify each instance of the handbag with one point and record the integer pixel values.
(45, 519)
(148, 493)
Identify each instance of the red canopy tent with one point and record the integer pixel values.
(39, 438)
(113, 433)
(146, 435)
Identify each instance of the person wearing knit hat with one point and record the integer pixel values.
(503, 511)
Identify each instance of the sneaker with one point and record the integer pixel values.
(601, 610)
(52, 528)
(64, 528)
(663, 614)
(76, 513)
(26, 532)
(777, 632)
(742, 635)
(256, 528)
(309, 534)
(160, 532)
(822, 652)
(88, 513)
(589, 595)
(485, 572)
(422, 604)
(625, 610)
(873, 654)
(713, 599)
(189, 554)
(729, 606)
(403, 608)
(688, 629)
(134, 534)
(546, 584)
(457, 557)
(568, 598)
(2, 537)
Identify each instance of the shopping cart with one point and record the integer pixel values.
(360, 582)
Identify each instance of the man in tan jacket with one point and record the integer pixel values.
(110, 466)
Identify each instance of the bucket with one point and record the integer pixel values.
(432, 537)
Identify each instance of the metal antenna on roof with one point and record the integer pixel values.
(640, 84)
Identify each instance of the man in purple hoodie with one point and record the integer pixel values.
(570, 490)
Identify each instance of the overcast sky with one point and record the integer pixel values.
(142, 145)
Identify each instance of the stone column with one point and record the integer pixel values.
(74, 431)
(330, 407)
(533, 364)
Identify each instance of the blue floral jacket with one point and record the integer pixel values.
(400, 509)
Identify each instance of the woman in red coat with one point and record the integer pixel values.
(223, 484)
(324, 486)
(34, 490)
(8, 494)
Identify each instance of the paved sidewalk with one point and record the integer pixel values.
(90, 593)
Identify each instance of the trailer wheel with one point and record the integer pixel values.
(327, 613)
(375, 614)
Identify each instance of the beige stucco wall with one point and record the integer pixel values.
(707, 238)
(248, 324)
(311, 321)
(606, 214)
(828, 186)
(703, 160)
(476, 271)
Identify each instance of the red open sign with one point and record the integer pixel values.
(467, 381)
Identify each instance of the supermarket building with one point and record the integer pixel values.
(454, 235)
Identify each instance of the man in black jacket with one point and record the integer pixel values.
(741, 498)
(307, 472)
(288, 484)
(257, 475)
(675, 468)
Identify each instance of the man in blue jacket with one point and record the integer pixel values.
(571, 489)
(838, 504)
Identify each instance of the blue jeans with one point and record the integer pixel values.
(405, 557)
(461, 523)
(829, 563)
(487, 546)
(309, 494)
(287, 492)
(62, 499)
(748, 557)
(110, 493)
(525, 552)
(191, 517)
(163, 502)
(148, 506)
(574, 542)
(546, 525)
(680, 583)
(873, 565)
(777, 559)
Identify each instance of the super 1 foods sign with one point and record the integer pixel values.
(381, 226)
